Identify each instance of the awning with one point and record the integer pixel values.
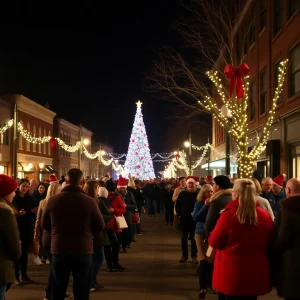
(218, 164)
(48, 169)
(26, 167)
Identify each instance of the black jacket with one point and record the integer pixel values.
(287, 245)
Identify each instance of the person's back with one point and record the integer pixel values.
(288, 243)
(73, 218)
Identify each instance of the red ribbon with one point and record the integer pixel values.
(53, 144)
(235, 75)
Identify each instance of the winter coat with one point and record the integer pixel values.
(10, 248)
(287, 244)
(184, 207)
(168, 203)
(265, 204)
(218, 201)
(101, 239)
(131, 206)
(26, 222)
(115, 201)
(241, 265)
(72, 218)
(199, 216)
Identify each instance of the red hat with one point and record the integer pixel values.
(7, 185)
(208, 179)
(52, 178)
(279, 180)
(121, 182)
(190, 178)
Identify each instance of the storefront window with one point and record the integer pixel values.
(295, 161)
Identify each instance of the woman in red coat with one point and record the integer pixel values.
(241, 239)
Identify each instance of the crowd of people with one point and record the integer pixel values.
(243, 233)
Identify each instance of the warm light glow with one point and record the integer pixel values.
(30, 165)
(139, 104)
(1, 169)
(175, 153)
(103, 152)
(41, 165)
(187, 144)
(86, 142)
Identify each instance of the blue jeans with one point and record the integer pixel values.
(3, 289)
(98, 259)
(184, 243)
(62, 266)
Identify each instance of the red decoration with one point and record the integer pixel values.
(177, 156)
(235, 75)
(53, 144)
(219, 135)
(138, 166)
(132, 140)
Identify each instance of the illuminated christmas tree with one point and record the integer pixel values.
(138, 161)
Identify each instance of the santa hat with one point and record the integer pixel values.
(208, 179)
(279, 180)
(52, 178)
(190, 179)
(197, 179)
(121, 182)
(7, 185)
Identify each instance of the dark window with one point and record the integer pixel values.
(251, 106)
(4, 136)
(263, 91)
(238, 50)
(252, 27)
(294, 82)
(276, 74)
(263, 14)
(293, 6)
(277, 17)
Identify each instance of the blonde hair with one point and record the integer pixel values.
(257, 185)
(90, 188)
(203, 190)
(246, 212)
(53, 189)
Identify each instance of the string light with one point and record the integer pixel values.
(8, 125)
(32, 138)
(238, 125)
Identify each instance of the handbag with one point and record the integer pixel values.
(121, 222)
(135, 218)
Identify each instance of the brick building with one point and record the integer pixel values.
(34, 160)
(273, 35)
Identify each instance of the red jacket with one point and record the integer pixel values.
(241, 265)
(118, 205)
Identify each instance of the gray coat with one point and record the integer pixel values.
(218, 202)
(288, 248)
(10, 247)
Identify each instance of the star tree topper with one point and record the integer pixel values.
(139, 104)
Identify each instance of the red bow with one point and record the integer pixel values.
(235, 75)
(53, 144)
(177, 156)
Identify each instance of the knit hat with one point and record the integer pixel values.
(121, 182)
(222, 181)
(279, 180)
(110, 186)
(190, 179)
(52, 178)
(103, 192)
(131, 182)
(7, 185)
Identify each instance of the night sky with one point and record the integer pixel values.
(88, 62)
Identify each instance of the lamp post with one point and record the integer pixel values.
(15, 146)
(188, 144)
(227, 114)
(41, 167)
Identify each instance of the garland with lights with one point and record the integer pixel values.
(238, 125)
(8, 125)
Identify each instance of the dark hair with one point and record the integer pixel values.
(21, 181)
(101, 183)
(180, 178)
(90, 188)
(74, 176)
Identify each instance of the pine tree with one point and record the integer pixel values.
(138, 161)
